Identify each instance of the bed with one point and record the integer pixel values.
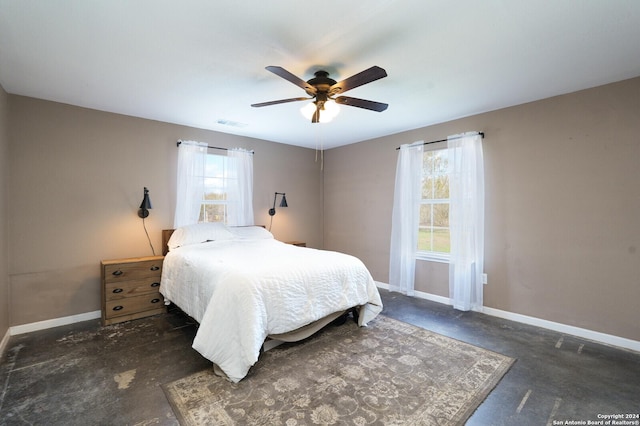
(244, 287)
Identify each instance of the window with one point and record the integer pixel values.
(214, 199)
(434, 240)
(213, 188)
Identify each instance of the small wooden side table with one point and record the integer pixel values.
(130, 288)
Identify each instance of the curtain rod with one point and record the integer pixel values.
(444, 140)
(211, 147)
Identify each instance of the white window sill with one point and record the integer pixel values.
(432, 257)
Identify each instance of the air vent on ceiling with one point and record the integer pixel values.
(231, 123)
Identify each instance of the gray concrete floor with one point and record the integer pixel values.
(85, 374)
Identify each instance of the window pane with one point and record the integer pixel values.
(212, 213)
(427, 162)
(441, 187)
(424, 239)
(215, 165)
(427, 187)
(214, 195)
(425, 215)
(214, 182)
(440, 161)
(441, 215)
(441, 240)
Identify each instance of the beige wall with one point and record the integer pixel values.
(562, 207)
(562, 203)
(77, 178)
(4, 175)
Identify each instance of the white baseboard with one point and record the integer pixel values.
(56, 322)
(584, 333)
(421, 295)
(525, 319)
(4, 342)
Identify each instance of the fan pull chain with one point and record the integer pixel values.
(318, 137)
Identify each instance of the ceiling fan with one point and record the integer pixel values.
(322, 88)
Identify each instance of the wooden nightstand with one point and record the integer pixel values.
(130, 288)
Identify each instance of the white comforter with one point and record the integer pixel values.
(241, 291)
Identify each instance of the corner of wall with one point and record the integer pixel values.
(4, 257)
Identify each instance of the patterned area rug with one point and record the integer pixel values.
(389, 373)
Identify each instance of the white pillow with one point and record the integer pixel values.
(199, 233)
(250, 232)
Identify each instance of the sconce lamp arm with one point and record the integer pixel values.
(272, 210)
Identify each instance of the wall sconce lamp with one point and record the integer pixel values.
(283, 203)
(272, 210)
(145, 206)
(143, 212)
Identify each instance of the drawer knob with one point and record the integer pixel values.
(156, 300)
(117, 290)
(118, 308)
(154, 268)
(117, 273)
(155, 284)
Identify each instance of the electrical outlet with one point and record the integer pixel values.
(484, 278)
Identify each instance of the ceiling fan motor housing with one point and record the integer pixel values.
(322, 83)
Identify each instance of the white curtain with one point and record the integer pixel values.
(466, 220)
(240, 189)
(405, 219)
(192, 158)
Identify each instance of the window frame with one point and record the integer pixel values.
(433, 256)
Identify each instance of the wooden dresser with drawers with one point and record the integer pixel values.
(130, 288)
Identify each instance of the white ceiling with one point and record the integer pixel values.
(201, 62)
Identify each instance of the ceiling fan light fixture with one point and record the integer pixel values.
(308, 110)
(328, 113)
(331, 109)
